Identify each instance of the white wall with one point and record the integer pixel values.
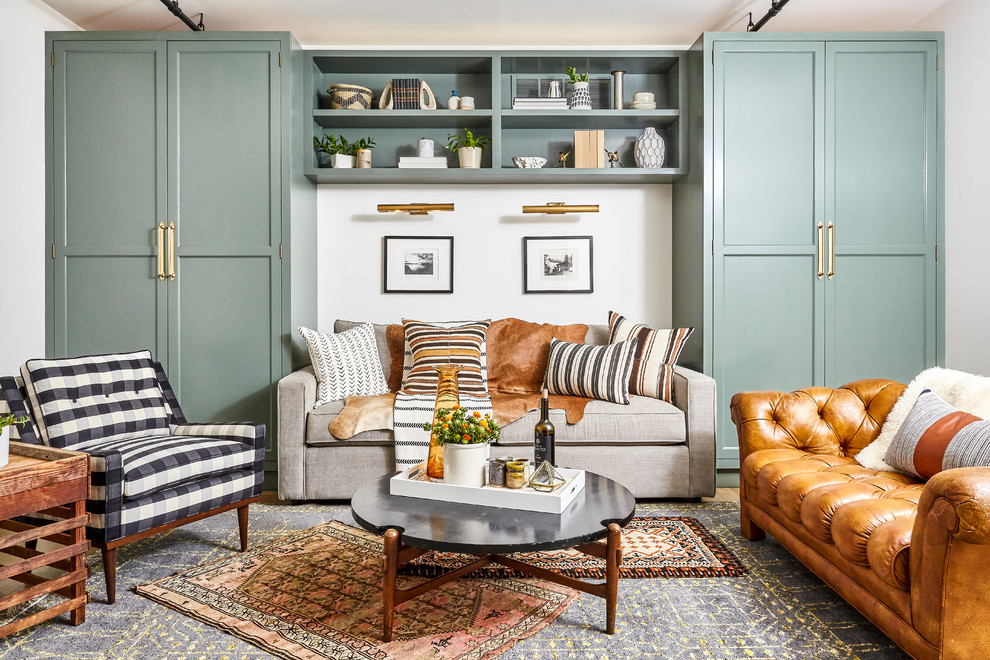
(631, 238)
(22, 178)
(967, 145)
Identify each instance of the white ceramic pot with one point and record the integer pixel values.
(4, 446)
(340, 160)
(364, 158)
(469, 157)
(581, 97)
(465, 465)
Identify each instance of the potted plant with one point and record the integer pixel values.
(468, 148)
(6, 421)
(581, 98)
(340, 152)
(464, 436)
(362, 149)
(325, 149)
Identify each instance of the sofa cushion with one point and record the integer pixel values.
(644, 421)
(518, 352)
(936, 436)
(152, 464)
(346, 363)
(596, 372)
(656, 354)
(855, 523)
(95, 397)
(888, 552)
(432, 344)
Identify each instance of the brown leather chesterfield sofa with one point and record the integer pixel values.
(913, 557)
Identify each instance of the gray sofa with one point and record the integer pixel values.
(654, 448)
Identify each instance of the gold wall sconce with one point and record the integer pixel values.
(559, 208)
(414, 209)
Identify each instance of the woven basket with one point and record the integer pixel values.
(349, 97)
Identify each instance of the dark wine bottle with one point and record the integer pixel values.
(543, 449)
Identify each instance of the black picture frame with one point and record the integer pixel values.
(418, 264)
(558, 264)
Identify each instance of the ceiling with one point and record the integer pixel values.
(489, 23)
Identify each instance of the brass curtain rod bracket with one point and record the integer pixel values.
(560, 208)
(414, 209)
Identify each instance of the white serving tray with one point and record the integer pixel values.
(523, 499)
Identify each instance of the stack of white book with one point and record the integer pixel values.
(422, 162)
(539, 103)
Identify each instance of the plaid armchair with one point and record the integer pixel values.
(150, 470)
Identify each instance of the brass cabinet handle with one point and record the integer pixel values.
(821, 250)
(831, 250)
(171, 251)
(161, 251)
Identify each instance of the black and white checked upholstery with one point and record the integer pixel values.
(144, 481)
(13, 399)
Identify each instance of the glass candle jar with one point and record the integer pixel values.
(515, 474)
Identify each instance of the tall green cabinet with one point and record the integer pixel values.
(171, 190)
(807, 227)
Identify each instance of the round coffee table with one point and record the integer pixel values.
(412, 526)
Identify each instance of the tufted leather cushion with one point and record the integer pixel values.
(818, 420)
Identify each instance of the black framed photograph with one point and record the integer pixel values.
(558, 264)
(418, 264)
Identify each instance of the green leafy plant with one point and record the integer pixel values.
(363, 143)
(9, 419)
(575, 76)
(327, 145)
(333, 144)
(456, 142)
(461, 427)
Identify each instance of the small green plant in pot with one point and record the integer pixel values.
(581, 97)
(8, 419)
(341, 152)
(468, 148)
(464, 436)
(362, 150)
(575, 77)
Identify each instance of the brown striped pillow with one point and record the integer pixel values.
(656, 355)
(591, 371)
(431, 345)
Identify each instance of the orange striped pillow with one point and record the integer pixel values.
(656, 355)
(431, 345)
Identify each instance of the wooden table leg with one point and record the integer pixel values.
(390, 566)
(613, 555)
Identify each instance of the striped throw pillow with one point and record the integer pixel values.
(656, 355)
(346, 363)
(935, 436)
(432, 344)
(595, 372)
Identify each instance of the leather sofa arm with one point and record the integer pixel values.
(819, 420)
(296, 398)
(694, 393)
(950, 553)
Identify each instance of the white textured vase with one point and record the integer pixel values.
(650, 149)
(581, 97)
(465, 465)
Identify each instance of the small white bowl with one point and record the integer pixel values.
(529, 162)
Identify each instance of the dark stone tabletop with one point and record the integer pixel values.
(480, 530)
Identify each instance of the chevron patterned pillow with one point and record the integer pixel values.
(346, 363)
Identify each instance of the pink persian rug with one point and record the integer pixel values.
(317, 594)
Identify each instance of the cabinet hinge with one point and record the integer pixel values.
(279, 250)
(53, 250)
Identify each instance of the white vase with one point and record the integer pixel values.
(340, 160)
(469, 157)
(364, 158)
(4, 446)
(650, 149)
(465, 465)
(581, 97)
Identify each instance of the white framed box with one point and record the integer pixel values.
(522, 499)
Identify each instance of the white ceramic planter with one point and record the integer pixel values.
(465, 465)
(340, 160)
(581, 97)
(364, 158)
(4, 446)
(469, 157)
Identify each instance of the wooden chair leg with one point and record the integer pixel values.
(110, 569)
(242, 524)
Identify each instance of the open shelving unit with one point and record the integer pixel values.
(491, 77)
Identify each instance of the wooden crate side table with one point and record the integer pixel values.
(54, 482)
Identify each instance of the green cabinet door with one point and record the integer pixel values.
(767, 298)
(224, 192)
(881, 169)
(107, 174)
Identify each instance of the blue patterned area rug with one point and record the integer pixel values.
(778, 611)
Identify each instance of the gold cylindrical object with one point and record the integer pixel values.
(171, 251)
(414, 209)
(447, 398)
(161, 251)
(821, 250)
(831, 250)
(559, 208)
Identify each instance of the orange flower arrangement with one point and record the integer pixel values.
(457, 426)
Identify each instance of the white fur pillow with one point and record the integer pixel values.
(964, 391)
